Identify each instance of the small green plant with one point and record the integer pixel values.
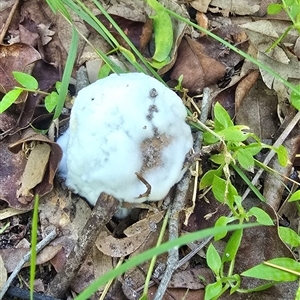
(29, 84)
(239, 147)
(292, 8)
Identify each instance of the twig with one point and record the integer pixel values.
(146, 183)
(179, 203)
(19, 293)
(7, 23)
(25, 259)
(106, 206)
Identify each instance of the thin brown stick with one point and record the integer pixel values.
(106, 206)
(7, 23)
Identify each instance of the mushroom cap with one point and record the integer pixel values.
(127, 133)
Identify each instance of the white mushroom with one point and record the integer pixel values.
(127, 137)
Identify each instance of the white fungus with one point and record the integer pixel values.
(127, 137)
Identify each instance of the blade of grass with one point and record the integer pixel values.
(153, 260)
(67, 73)
(34, 230)
(248, 182)
(136, 260)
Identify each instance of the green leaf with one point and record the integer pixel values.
(51, 101)
(234, 133)
(219, 187)
(57, 5)
(274, 8)
(295, 196)
(128, 54)
(208, 178)
(261, 216)
(163, 31)
(209, 138)
(232, 246)
(221, 117)
(236, 285)
(212, 290)
(222, 221)
(34, 231)
(289, 236)
(26, 80)
(213, 259)
(58, 86)
(223, 191)
(282, 155)
(9, 99)
(245, 158)
(67, 73)
(218, 158)
(263, 271)
(295, 97)
(104, 71)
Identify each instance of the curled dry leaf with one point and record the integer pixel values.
(14, 58)
(198, 69)
(139, 33)
(12, 256)
(243, 7)
(13, 165)
(136, 234)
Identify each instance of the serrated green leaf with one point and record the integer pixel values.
(212, 290)
(213, 259)
(289, 236)
(274, 8)
(263, 271)
(245, 158)
(234, 133)
(9, 99)
(261, 216)
(26, 80)
(295, 196)
(51, 101)
(221, 117)
(232, 246)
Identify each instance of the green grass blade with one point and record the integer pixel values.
(34, 229)
(67, 73)
(136, 260)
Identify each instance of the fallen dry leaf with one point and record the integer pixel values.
(198, 69)
(14, 58)
(136, 235)
(244, 7)
(12, 256)
(34, 170)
